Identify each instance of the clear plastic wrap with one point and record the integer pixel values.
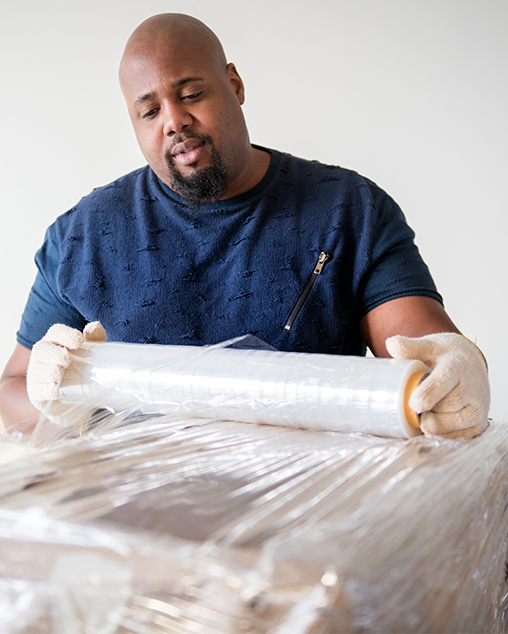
(66, 578)
(313, 391)
(174, 523)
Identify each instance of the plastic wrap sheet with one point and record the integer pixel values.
(156, 524)
(313, 391)
(63, 578)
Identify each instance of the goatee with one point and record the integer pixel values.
(206, 184)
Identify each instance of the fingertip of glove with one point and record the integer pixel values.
(393, 345)
(400, 347)
(94, 331)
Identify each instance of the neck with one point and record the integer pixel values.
(253, 172)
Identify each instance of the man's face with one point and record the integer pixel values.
(185, 107)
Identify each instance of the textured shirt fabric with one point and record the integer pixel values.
(133, 257)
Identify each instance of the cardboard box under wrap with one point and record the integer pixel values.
(157, 524)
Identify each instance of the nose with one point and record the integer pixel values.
(176, 118)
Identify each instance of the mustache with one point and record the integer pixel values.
(181, 138)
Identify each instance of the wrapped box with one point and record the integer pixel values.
(151, 524)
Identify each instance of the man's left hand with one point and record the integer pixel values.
(453, 401)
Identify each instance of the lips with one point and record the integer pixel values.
(188, 152)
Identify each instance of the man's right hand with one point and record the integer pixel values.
(49, 359)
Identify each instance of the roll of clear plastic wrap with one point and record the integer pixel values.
(310, 391)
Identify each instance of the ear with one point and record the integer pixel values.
(236, 82)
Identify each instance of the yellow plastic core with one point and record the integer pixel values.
(413, 382)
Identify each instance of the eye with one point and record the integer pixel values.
(150, 114)
(193, 96)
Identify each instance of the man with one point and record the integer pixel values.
(217, 237)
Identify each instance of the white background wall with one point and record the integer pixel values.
(412, 93)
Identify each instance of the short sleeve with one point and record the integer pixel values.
(397, 269)
(45, 306)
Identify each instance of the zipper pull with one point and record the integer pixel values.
(323, 257)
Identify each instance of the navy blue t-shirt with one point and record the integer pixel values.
(133, 257)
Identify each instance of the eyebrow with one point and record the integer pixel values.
(186, 80)
(176, 84)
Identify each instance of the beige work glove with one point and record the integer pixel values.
(453, 401)
(49, 359)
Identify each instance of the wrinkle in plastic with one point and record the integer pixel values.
(176, 523)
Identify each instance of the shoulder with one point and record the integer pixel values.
(102, 204)
(332, 187)
(326, 177)
(122, 187)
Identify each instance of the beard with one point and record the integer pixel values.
(206, 184)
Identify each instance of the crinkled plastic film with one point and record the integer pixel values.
(185, 524)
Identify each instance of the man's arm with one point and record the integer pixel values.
(16, 409)
(413, 316)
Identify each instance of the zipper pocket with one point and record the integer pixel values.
(323, 257)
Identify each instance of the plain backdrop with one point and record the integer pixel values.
(411, 93)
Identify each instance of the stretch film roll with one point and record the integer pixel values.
(311, 391)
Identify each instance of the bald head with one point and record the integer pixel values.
(172, 30)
